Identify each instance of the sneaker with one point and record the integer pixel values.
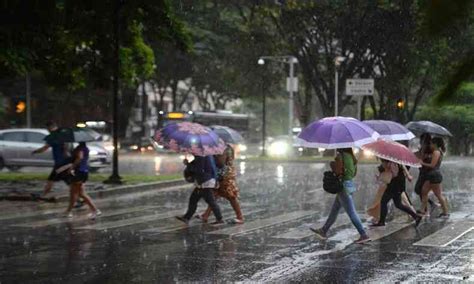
(443, 215)
(218, 222)
(95, 214)
(201, 218)
(182, 219)
(68, 215)
(377, 225)
(417, 221)
(320, 233)
(362, 240)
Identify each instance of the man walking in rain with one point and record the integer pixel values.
(204, 172)
(60, 154)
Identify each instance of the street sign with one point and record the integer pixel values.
(360, 87)
(292, 87)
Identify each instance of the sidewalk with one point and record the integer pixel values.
(30, 190)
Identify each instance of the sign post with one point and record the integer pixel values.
(359, 88)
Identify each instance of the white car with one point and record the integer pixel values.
(16, 146)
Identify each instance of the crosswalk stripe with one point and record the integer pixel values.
(59, 208)
(447, 235)
(262, 223)
(56, 221)
(305, 232)
(176, 227)
(377, 233)
(130, 221)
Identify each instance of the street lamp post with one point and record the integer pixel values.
(291, 84)
(115, 177)
(337, 62)
(264, 119)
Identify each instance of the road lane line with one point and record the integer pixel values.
(447, 235)
(377, 233)
(305, 232)
(56, 221)
(130, 221)
(262, 223)
(168, 228)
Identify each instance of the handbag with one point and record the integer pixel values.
(188, 175)
(332, 183)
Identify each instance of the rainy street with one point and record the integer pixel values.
(137, 239)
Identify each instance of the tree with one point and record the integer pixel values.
(458, 117)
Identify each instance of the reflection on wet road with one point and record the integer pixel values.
(138, 240)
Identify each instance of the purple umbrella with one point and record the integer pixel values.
(190, 138)
(336, 132)
(390, 130)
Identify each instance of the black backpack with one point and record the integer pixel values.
(332, 183)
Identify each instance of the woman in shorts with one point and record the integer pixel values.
(78, 176)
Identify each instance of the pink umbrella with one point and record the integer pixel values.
(393, 151)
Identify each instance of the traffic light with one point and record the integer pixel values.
(400, 104)
(20, 107)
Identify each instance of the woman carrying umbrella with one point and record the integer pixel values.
(202, 143)
(226, 175)
(394, 157)
(227, 187)
(433, 176)
(340, 133)
(394, 188)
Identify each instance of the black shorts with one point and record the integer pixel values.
(434, 177)
(81, 177)
(54, 176)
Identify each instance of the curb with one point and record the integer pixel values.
(124, 189)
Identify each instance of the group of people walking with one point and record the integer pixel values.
(391, 182)
(214, 177)
(70, 166)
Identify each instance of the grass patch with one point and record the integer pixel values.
(128, 178)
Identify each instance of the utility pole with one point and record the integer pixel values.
(115, 177)
(28, 100)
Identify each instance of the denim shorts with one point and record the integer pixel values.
(349, 186)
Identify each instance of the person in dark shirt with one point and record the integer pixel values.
(60, 156)
(204, 172)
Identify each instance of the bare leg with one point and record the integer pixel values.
(437, 190)
(48, 187)
(236, 206)
(87, 198)
(206, 213)
(406, 201)
(424, 196)
(73, 195)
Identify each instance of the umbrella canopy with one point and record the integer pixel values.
(424, 126)
(336, 132)
(190, 138)
(393, 151)
(390, 130)
(227, 134)
(69, 135)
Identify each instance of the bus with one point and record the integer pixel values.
(236, 121)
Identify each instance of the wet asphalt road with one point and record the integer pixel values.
(138, 240)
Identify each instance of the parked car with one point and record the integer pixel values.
(16, 146)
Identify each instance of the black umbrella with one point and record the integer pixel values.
(424, 126)
(69, 135)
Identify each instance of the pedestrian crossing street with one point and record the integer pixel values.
(290, 226)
